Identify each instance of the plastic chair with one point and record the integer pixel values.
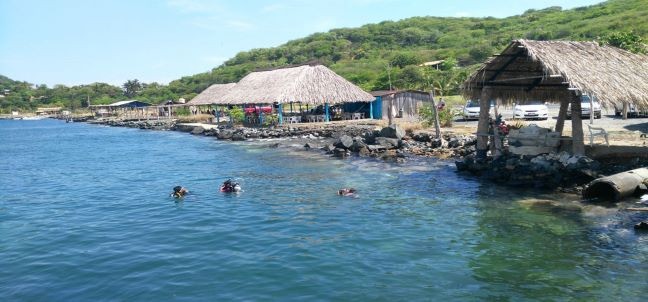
(597, 131)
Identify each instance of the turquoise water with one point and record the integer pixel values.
(85, 216)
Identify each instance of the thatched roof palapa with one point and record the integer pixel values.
(306, 84)
(552, 70)
(212, 94)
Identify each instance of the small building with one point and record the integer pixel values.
(406, 103)
(132, 107)
(48, 110)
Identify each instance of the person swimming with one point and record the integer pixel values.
(347, 192)
(230, 186)
(179, 192)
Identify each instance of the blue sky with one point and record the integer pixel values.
(84, 41)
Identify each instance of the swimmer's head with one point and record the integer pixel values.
(177, 189)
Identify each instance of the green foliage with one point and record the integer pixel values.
(446, 116)
(626, 40)
(182, 111)
(237, 114)
(369, 55)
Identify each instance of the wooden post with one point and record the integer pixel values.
(562, 114)
(437, 124)
(578, 145)
(482, 125)
(624, 114)
(496, 142)
(591, 98)
(371, 110)
(391, 110)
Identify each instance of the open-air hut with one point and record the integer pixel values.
(210, 96)
(307, 84)
(403, 103)
(559, 71)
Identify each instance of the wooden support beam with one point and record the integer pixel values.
(562, 115)
(482, 125)
(509, 62)
(578, 147)
(535, 83)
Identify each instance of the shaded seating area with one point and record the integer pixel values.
(559, 71)
(308, 93)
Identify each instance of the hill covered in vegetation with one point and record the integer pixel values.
(375, 56)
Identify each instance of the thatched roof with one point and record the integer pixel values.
(390, 92)
(212, 94)
(551, 70)
(306, 84)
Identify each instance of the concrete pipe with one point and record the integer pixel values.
(617, 186)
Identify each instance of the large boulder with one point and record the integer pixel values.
(344, 142)
(389, 143)
(238, 136)
(197, 130)
(225, 134)
(392, 131)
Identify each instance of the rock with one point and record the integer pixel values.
(370, 137)
(328, 148)
(376, 148)
(198, 130)
(438, 143)
(643, 225)
(392, 131)
(357, 146)
(454, 143)
(421, 136)
(225, 134)
(364, 151)
(340, 152)
(238, 136)
(344, 142)
(388, 143)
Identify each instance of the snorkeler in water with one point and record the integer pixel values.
(230, 186)
(351, 192)
(179, 192)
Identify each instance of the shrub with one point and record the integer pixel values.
(237, 114)
(446, 116)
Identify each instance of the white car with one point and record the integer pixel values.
(585, 108)
(471, 110)
(531, 110)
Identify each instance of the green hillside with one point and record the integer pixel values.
(374, 54)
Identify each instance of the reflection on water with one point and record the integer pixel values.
(85, 215)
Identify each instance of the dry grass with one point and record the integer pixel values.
(306, 84)
(199, 118)
(211, 94)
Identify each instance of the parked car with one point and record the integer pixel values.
(471, 109)
(633, 111)
(585, 108)
(531, 110)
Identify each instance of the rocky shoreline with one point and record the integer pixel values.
(562, 172)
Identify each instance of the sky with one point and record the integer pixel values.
(74, 42)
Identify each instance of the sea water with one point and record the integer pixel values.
(85, 215)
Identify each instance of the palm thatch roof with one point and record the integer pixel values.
(306, 84)
(552, 70)
(212, 94)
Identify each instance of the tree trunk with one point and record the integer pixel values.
(437, 124)
(624, 114)
(578, 147)
(482, 126)
(562, 114)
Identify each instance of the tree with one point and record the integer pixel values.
(625, 40)
(131, 88)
